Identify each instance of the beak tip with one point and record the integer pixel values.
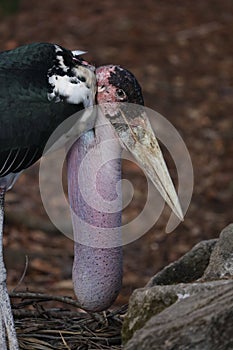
(178, 211)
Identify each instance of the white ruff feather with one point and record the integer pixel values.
(74, 93)
(75, 86)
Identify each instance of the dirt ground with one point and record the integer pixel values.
(181, 52)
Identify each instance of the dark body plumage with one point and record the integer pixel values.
(27, 116)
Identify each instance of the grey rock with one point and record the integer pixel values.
(187, 305)
(221, 259)
(188, 268)
(202, 321)
(148, 302)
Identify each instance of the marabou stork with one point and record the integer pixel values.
(41, 85)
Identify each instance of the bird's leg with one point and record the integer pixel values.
(6, 317)
(2, 333)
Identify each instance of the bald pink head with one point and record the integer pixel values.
(115, 84)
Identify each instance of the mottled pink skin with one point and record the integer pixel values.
(108, 95)
(97, 272)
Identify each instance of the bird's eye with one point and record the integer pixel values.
(120, 94)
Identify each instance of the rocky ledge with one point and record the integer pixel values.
(187, 305)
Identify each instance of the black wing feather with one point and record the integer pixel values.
(27, 117)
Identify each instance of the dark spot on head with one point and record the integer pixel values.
(126, 81)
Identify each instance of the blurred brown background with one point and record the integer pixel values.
(181, 52)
